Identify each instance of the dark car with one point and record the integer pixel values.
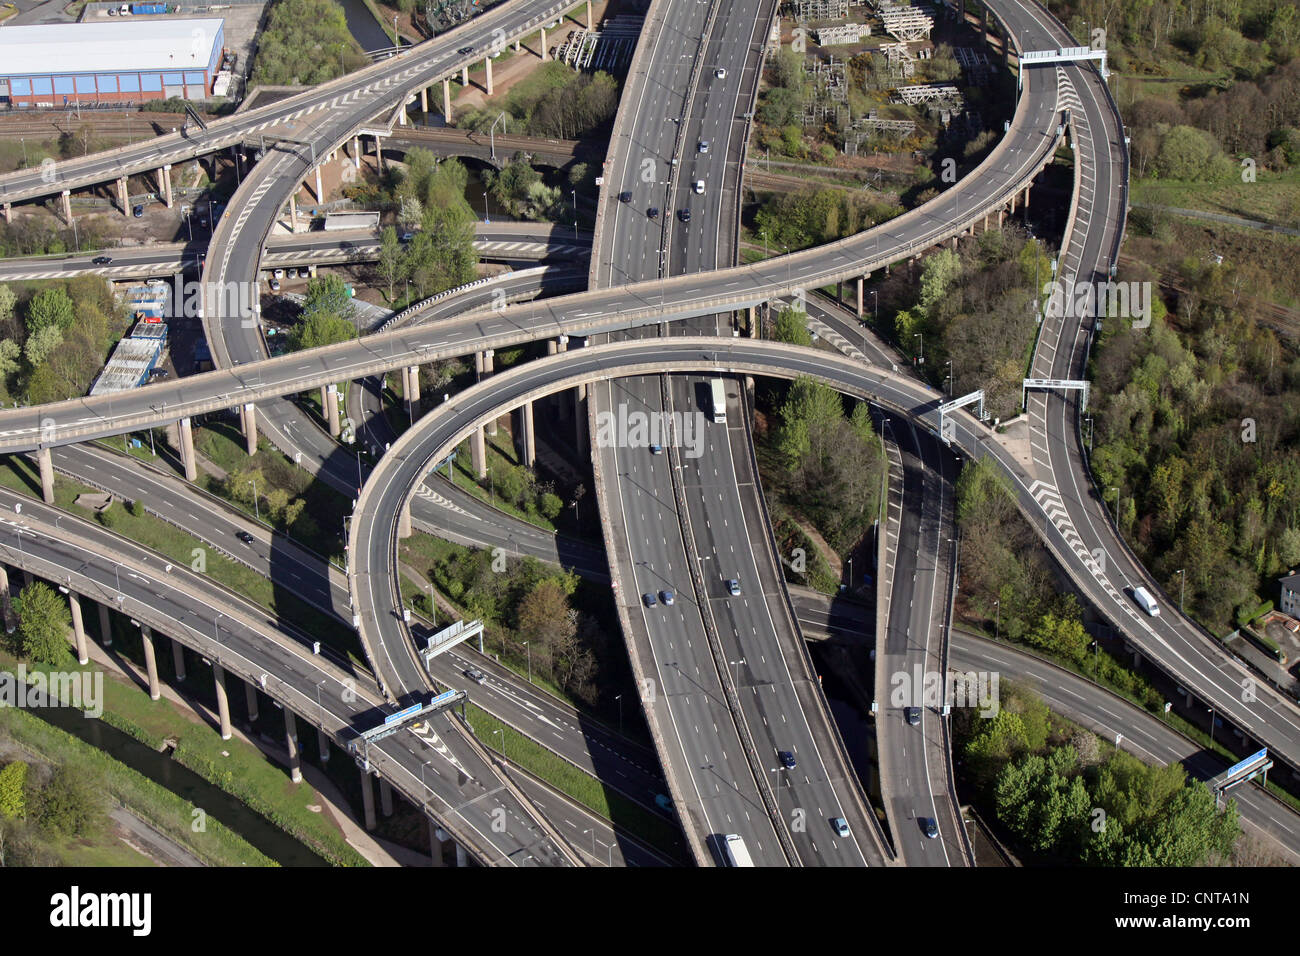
(667, 597)
(465, 49)
(684, 215)
(244, 536)
(656, 449)
(102, 260)
(649, 600)
(913, 715)
(653, 212)
(138, 212)
(929, 827)
(786, 758)
(625, 197)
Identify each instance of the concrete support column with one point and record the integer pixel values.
(858, 285)
(551, 347)
(105, 627)
(1027, 195)
(1013, 203)
(402, 119)
(752, 322)
(150, 661)
(4, 594)
(385, 797)
(424, 99)
(379, 154)
(487, 65)
(8, 209)
(464, 76)
(122, 198)
(545, 56)
(249, 416)
(356, 151)
(78, 627)
(517, 45)
(462, 859)
(446, 101)
(291, 743)
(47, 474)
(293, 211)
(320, 190)
(251, 701)
(178, 658)
(66, 197)
(954, 243)
(478, 452)
(530, 436)
(591, 23)
(167, 187)
(368, 799)
(412, 384)
(323, 741)
(487, 370)
(223, 703)
(435, 844)
(187, 449)
(332, 409)
(1001, 214)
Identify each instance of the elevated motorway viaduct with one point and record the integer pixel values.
(453, 783)
(330, 111)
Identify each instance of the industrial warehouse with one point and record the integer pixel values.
(123, 63)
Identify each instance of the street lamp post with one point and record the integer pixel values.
(529, 651)
(737, 666)
(997, 620)
(257, 511)
(920, 352)
(619, 698)
(1182, 587)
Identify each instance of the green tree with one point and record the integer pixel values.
(13, 795)
(320, 328)
(50, 308)
(43, 622)
(792, 327)
(389, 264)
(42, 343)
(72, 803)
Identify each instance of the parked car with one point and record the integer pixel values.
(663, 803)
(275, 285)
(406, 236)
(138, 211)
(656, 449)
(278, 274)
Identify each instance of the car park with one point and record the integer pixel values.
(649, 600)
(667, 597)
(840, 826)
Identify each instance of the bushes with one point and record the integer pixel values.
(306, 42)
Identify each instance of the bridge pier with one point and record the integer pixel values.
(78, 626)
(187, 449)
(150, 661)
(478, 452)
(1027, 185)
(250, 701)
(517, 44)
(404, 520)
(291, 744)
(529, 437)
(858, 285)
(167, 187)
(123, 199)
(178, 658)
(446, 100)
(320, 191)
(223, 703)
(8, 210)
(379, 154)
(424, 99)
(487, 65)
(248, 417)
(293, 211)
(367, 800)
(464, 76)
(332, 409)
(436, 842)
(1014, 197)
(545, 55)
(105, 628)
(411, 387)
(1001, 214)
(323, 741)
(356, 151)
(591, 24)
(46, 465)
(4, 594)
(66, 197)
(484, 366)
(385, 797)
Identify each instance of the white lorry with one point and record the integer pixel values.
(1146, 601)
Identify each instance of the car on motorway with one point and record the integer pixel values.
(684, 215)
(699, 187)
(786, 758)
(476, 675)
(625, 196)
(648, 599)
(733, 587)
(465, 49)
(840, 826)
(138, 211)
(275, 285)
(720, 73)
(702, 146)
(913, 715)
(664, 803)
(656, 449)
(653, 212)
(930, 827)
(668, 597)
(244, 536)
(102, 260)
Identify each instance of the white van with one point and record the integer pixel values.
(1146, 601)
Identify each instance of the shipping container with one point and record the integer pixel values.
(142, 8)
